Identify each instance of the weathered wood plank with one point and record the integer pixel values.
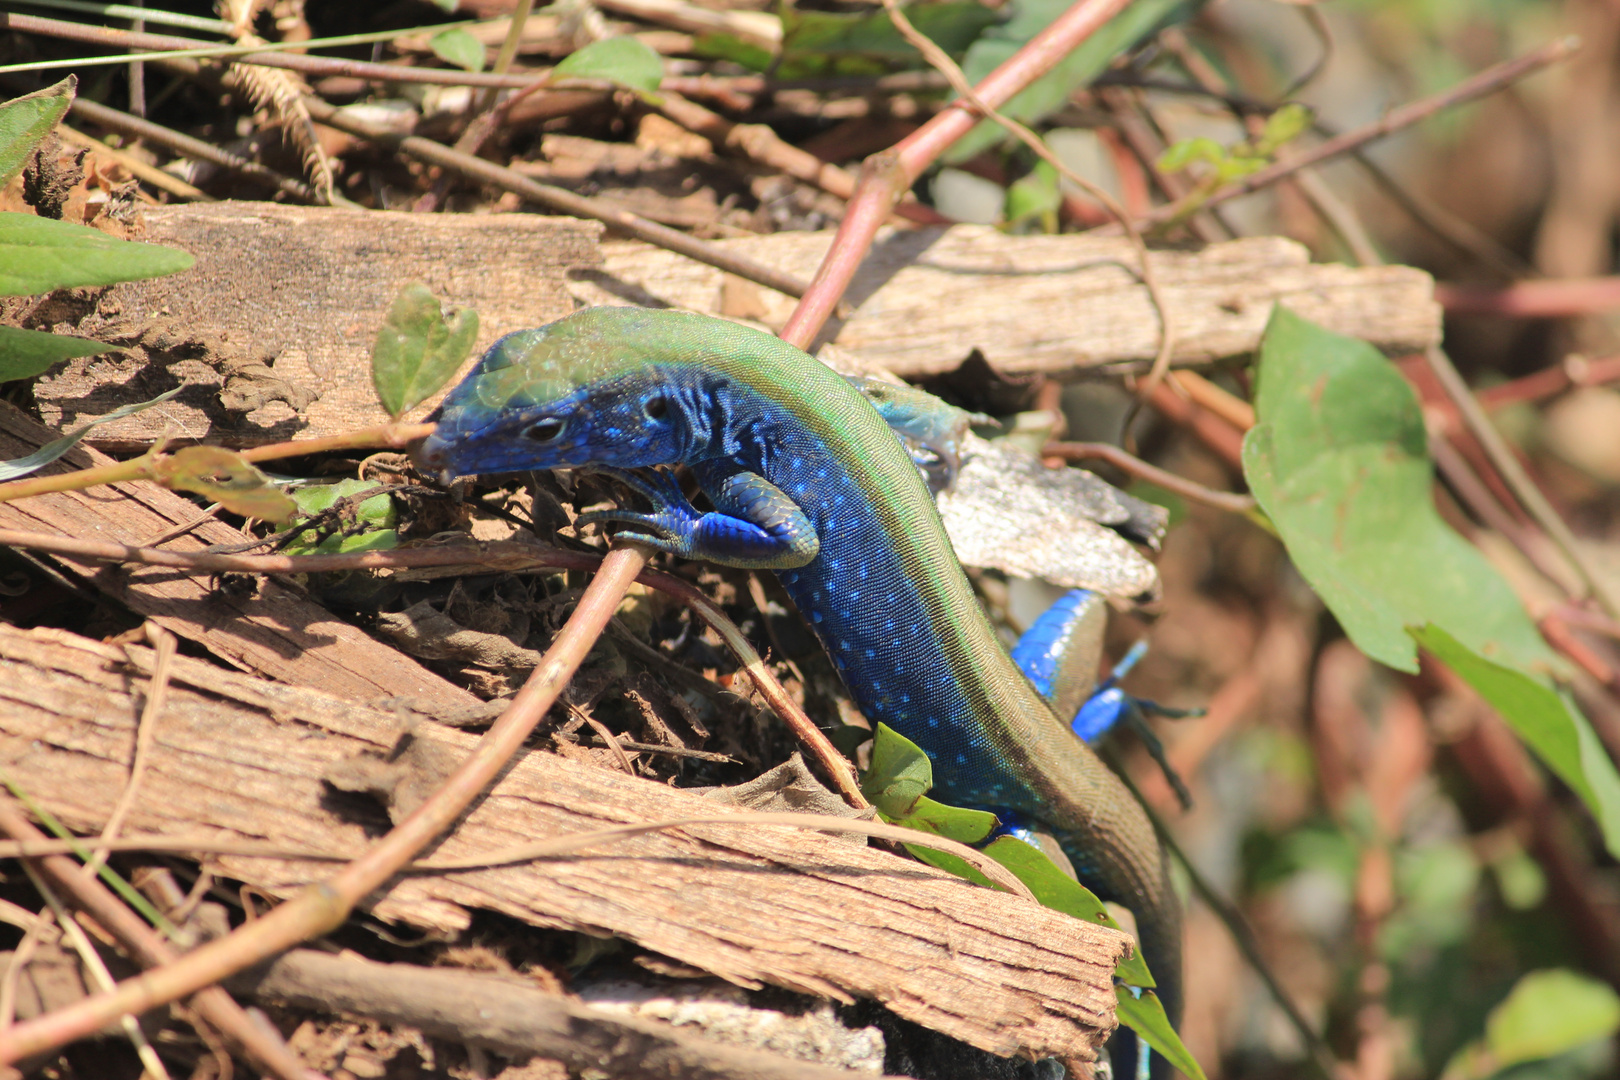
(285, 302)
(277, 631)
(306, 287)
(925, 298)
(752, 904)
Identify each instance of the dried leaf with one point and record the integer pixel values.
(225, 477)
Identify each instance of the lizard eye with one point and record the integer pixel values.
(545, 431)
(656, 408)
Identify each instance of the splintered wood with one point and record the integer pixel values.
(239, 757)
(271, 332)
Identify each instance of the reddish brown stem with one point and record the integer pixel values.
(148, 948)
(888, 175)
(1566, 298)
(1486, 82)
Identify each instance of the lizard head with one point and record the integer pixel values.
(590, 389)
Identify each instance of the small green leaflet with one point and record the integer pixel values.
(418, 348)
(374, 519)
(38, 255)
(16, 467)
(899, 774)
(1547, 721)
(625, 61)
(26, 353)
(1547, 1013)
(457, 46)
(25, 121)
(1144, 1014)
(1048, 93)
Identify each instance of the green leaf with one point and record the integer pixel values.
(26, 353)
(1035, 194)
(899, 773)
(225, 477)
(898, 776)
(1548, 723)
(38, 255)
(1282, 127)
(1145, 1016)
(1184, 153)
(375, 517)
(626, 61)
(418, 348)
(1547, 1013)
(1339, 462)
(824, 42)
(11, 470)
(717, 46)
(25, 121)
(457, 46)
(1049, 93)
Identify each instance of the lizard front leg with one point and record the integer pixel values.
(755, 525)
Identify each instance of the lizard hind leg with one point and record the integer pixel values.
(1061, 650)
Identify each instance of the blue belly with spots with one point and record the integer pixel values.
(858, 598)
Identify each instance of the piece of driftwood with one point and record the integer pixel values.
(511, 1015)
(924, 298)
(754, 905)
(284, 302)
(271, 629)
(271, 331)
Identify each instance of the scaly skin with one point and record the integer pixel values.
(839, 511)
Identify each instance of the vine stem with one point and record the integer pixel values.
(888, 175)
(385, 436)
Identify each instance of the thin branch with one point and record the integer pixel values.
(1142, 470)
(512, 557)
(759, 143)
(886, 176)
(560, 199)
(396, 436)
(1486, 82)
(1524, 489)
(164, 645)
(165, 45)
(148, 948)
(938, 60)
(1554, 299)
(96, 969)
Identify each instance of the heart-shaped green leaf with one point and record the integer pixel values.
(418, 348)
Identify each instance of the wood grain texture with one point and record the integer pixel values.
(294, 295)
(753, 904)
(275, 631)
(285, 301)
(924, 298)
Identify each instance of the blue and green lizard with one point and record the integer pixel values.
(809, 481)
